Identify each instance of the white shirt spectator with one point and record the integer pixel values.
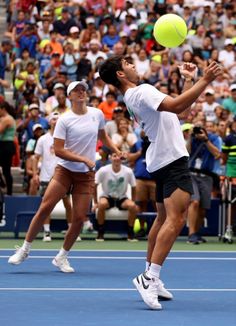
(115, 184)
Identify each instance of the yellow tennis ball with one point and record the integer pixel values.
(136, 225)
(170, 30)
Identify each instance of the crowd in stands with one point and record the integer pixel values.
(48, 44)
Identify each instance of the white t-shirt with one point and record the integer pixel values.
(162, 128)
(209, 110)
(115, 184)
(45, 149)
(80, 133)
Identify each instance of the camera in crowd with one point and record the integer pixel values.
(198, 130)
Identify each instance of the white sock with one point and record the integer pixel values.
(26, 246)
(147, 266)
(154, 270)
(46, 227)
(62, 252)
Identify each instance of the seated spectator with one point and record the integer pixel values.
(95, 52)
(32, 119)
(230, 102)
(111, 38)
(209, 105)
(114, 179)
(104, 160)
(62, 104)
(28, 39)
(124, 139)
(86, 33)
(74, 37)
(52, 101)
(69, 61)
(111, 126)
(84, 67)
(152, 76)
(62, 26)
(108, 105)
(55, 44)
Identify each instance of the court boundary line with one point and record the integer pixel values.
(111, 289)
(130, 258)
(124, 250)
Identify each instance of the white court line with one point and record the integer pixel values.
(111, 289)
(118, 250)
(130, 258)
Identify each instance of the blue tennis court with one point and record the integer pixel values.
(101, 291)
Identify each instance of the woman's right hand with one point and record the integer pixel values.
(89, 163)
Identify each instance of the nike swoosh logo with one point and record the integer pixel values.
(145, 286)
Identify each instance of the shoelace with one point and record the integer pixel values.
(19, 248)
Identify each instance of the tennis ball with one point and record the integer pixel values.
(170, 30)
(137, 226)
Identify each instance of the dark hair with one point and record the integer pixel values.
(108, 69)
(9, 108)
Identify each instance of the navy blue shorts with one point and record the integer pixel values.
(171, 177)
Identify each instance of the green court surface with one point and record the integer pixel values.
(113, 242)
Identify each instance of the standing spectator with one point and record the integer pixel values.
(7, 147)
(115, 179)
(28, 38)
(204, 149)
(4, 62)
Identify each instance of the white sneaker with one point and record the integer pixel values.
(47, 237)
(18, 257)
(148, 289)
(163, 294)
(87, 227)
(63, 264)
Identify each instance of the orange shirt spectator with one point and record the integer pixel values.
(108, 106)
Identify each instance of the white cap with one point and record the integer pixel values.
(73, 84)
(53, 115)
(74, 29)
(123, 34)
(90, 20)
(37, 126)
(210, 91)
(228, 41)
(232, 87)
(33, 106)
(96, 75)
(133, 27)
(58, 85)
(94, 41)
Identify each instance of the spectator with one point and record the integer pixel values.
(111, 126)
(84, 67)
(124, 139)
(70, 61)
(7, 147)
(95, 52)
(74, 38)
(111, 37)
(62, 26)
(32, 119)
(230, 102)
(86, 34)
(29, 39)
(115, 179)
(52, 101)
(209, 105)
(203, 150)
(4, 63)
(108, 105)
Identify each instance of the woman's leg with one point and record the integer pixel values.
(55, 191)
(80, 208)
